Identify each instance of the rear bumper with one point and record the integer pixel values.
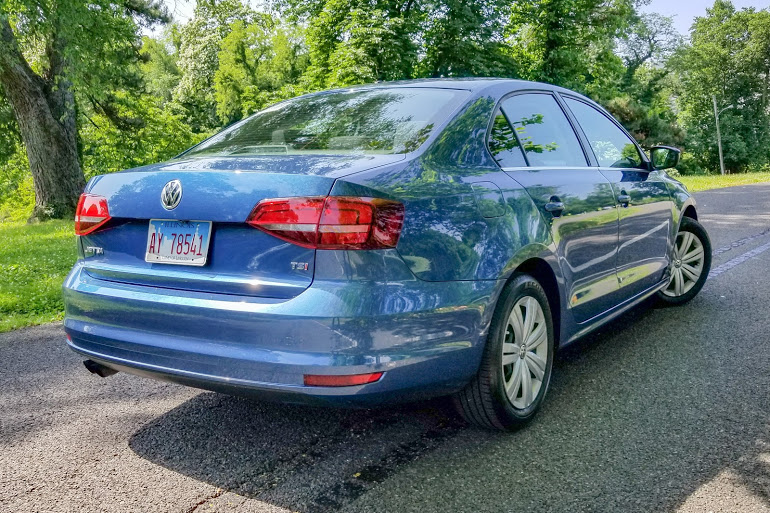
(426, 337)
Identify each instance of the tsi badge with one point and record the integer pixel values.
(93, 250)
(299, 266)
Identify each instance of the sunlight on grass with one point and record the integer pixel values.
(34, 260)
(704, 182)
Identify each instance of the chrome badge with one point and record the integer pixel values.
(171, 194)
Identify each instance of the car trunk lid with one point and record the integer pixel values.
(223, 191)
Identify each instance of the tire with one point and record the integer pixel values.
(485, 401)
(691, 264)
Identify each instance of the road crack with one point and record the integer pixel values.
(217, 493)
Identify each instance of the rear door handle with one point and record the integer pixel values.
(624, 199)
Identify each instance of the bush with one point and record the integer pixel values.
(17, 194)
(688, 165)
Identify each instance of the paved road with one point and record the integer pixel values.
(667, 409)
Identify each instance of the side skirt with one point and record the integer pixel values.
(591, 324)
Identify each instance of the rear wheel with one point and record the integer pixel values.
(691, 265)
(515, 371)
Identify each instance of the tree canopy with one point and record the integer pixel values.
(90, 85)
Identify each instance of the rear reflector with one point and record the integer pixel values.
(313, 380)
(335, 222)
(91, 214)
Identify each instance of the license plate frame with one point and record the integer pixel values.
(192, 251)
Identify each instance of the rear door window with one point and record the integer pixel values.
(503, 143)
(543, 130)
(612, 147)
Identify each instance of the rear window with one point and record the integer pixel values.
(378, 121)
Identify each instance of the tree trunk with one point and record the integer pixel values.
(45, 116)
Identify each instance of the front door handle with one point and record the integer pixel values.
(554, 207)
(624, 199)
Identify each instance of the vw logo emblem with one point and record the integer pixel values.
(171, 194)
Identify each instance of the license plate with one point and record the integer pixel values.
(178, 242)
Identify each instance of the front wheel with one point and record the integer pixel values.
(515, 371)
(691, 265)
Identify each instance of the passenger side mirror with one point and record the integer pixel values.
(664, 157)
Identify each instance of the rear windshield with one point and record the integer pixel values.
(380, 121)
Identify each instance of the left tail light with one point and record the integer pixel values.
(91, 214)
(334, 222)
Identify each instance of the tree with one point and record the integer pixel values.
(644, 103)
(74, 45)
(651, 40)
(256, 62)
(199, 46)
(570, 43)
(465, 38)
(158, 64)
(728, 57)
(353, 42)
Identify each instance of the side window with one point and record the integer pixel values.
(544, 131)
(612, 147)
(503, 143)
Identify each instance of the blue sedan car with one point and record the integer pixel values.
(383, 243)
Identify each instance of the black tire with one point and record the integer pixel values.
(693, 227)
(484, 400)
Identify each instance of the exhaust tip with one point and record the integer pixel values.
(99, 369)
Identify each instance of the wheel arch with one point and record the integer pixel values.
(541, 271)
(690, 212)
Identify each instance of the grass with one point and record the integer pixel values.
(34, 260)
(696, 183)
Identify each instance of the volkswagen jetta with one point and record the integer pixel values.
(383, 243)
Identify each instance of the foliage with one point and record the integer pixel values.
(82, 42)
(158, 64)
(727, 58)
(17, 196)
(34, 260)
(161, 135)
(134, 100)
(570, 42)
(144, 99)
(199, 46)
(256, 62)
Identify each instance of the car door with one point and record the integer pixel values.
(576, 199)
(646, 209)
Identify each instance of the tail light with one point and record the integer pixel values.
(335, 222)
(91, 214)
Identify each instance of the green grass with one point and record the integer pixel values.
(704, 182)
(34, 260)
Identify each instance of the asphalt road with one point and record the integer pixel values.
(666, 409)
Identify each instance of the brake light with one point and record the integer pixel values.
(335, 222)
(92, 213)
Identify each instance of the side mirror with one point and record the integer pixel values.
(664, 157)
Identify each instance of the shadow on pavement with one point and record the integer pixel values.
(298, 457)
(641, 417)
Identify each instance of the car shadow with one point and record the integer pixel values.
(298, 457)
(641, 417)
